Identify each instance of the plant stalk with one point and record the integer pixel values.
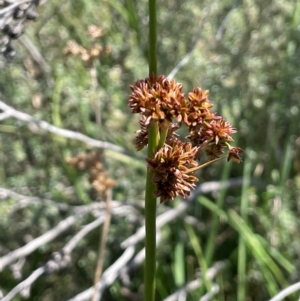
(150, 221)
(150, 199)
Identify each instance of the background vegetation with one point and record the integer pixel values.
(87, 53)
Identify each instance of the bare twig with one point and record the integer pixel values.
(102, 243)
(222, 27)
(41, 240)
(27, 282)
(59, 131)
(56, 263)
(211, 273)
(10, 8)
(169, 215)
(208, 296)
(4, 115)
(109, 275)
(6, 193)
(117, 208)
(287, 291)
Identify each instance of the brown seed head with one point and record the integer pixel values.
(158, 98)
(198, 107)
(170, 167)
(217, 130)
(235, 154)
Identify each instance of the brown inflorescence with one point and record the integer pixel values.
(160, 100)
(170, 167)
(90, 163)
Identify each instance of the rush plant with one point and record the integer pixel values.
(163, 108)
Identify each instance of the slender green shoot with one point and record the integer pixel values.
(150, 199)
(210, 246)
(242, 256)
(150, 221)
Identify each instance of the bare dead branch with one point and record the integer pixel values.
(27, 282)
(109, 275)
(10, 8)
(58, 262)
(208, 296)
(41, 240)
(223, 25)
(6, 193)
(40, 124)
(287, 291)
(4, 115)
(169, 215)
(36, 243)
(211, 274)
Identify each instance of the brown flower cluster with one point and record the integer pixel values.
(158, 99)
(90, 163)
(170, 167)
(88, 55)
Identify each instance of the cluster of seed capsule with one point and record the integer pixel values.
(161, 102)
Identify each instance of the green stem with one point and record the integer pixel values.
(211, 242)
(242, 256)
(150, 221)
(150, 199)
(152, 38)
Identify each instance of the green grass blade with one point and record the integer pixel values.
(196, 244)
(242, 255)
(178, 265)
(210, 245)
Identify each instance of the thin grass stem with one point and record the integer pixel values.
(242, 256)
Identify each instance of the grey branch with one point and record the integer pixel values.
(109, 275)
(36, 243)
(214, 290)
(287, 291)
(169, 215)
(24, 200)
(41, 240)
(211, 273)
(59, 131)
(58, 262)
(27, 282)
(118, 208)
(10, 8)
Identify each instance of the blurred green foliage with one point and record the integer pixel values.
(246, 53)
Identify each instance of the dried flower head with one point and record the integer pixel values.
(217, 130)
(198, 108)
(160, 102)
(98, 177)
(235, 154)
(158, 98)
(141, 139)
(94, 32)
(170, 167)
